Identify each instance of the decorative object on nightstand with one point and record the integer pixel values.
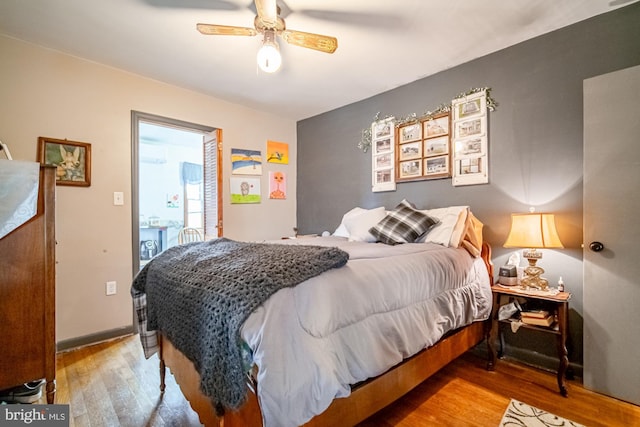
(533, 231)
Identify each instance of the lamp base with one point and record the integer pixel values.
(531, 278)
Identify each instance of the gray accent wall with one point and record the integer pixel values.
(535, 147)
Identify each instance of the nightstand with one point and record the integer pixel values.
(558, 305)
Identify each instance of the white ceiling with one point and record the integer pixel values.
(381, 44)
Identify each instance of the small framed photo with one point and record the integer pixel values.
(382, 129)
(470, 166)
(435, 167)
(383, 176)
(470, 106)
(471, 171)
(382, 161)
(470, 147)
(411, 150)
(382, 146)
(410, 169)
(436, 146)
(436, 126)
(412, 132)
(472, 127)
(72, 160)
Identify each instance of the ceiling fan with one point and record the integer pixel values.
(269, 23)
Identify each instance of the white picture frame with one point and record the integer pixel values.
(383, 155)
(470, 139)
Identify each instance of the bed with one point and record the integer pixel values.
(341, 344)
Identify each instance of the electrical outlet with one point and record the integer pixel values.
(111, 288)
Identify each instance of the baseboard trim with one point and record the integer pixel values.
(531, 358)
(541, 361)
(93, 338)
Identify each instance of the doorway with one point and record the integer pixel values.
(175, 183)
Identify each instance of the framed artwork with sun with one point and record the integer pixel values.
(278, 152)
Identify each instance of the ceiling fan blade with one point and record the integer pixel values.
(319, 42)
(267, 12)
(225, 30)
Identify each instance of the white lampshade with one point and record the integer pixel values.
(533, 230)
(269, 58)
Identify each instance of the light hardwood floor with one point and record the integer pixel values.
(112, 384)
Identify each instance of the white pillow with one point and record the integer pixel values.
(358, 224)
(342, 231)
(449, 231)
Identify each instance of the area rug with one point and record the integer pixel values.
(522, 415)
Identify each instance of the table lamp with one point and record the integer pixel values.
(533, 231)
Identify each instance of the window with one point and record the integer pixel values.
(193, 189)
(193, 212)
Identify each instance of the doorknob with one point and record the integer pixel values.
(596, 246)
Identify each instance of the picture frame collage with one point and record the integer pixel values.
(246, 173)
(470, 140)
(424, 149)
(383, 155)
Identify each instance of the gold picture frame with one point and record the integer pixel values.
(71, 158)
(423, 150)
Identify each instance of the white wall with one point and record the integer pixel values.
(47, 93)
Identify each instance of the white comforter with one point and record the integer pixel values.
(312, 341)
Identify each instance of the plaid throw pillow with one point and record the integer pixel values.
(404, 224)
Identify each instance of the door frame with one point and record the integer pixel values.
(136, 118)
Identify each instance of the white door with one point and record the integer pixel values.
(611, 212)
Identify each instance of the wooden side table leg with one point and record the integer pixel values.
(163, 368)
(51, 391)
(493, 333)
(563, 354)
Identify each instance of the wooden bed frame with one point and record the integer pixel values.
(365, 399)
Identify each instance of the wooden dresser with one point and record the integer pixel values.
(27, 296)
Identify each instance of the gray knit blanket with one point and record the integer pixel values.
(200, 294)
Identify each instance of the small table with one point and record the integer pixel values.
(558, 304)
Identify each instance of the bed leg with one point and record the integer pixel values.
(163, 367)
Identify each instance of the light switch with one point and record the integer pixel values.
(118, 198)
(111, 288)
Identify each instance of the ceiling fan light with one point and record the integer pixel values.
(269, 58)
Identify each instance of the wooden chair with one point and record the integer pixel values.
(188, 234)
